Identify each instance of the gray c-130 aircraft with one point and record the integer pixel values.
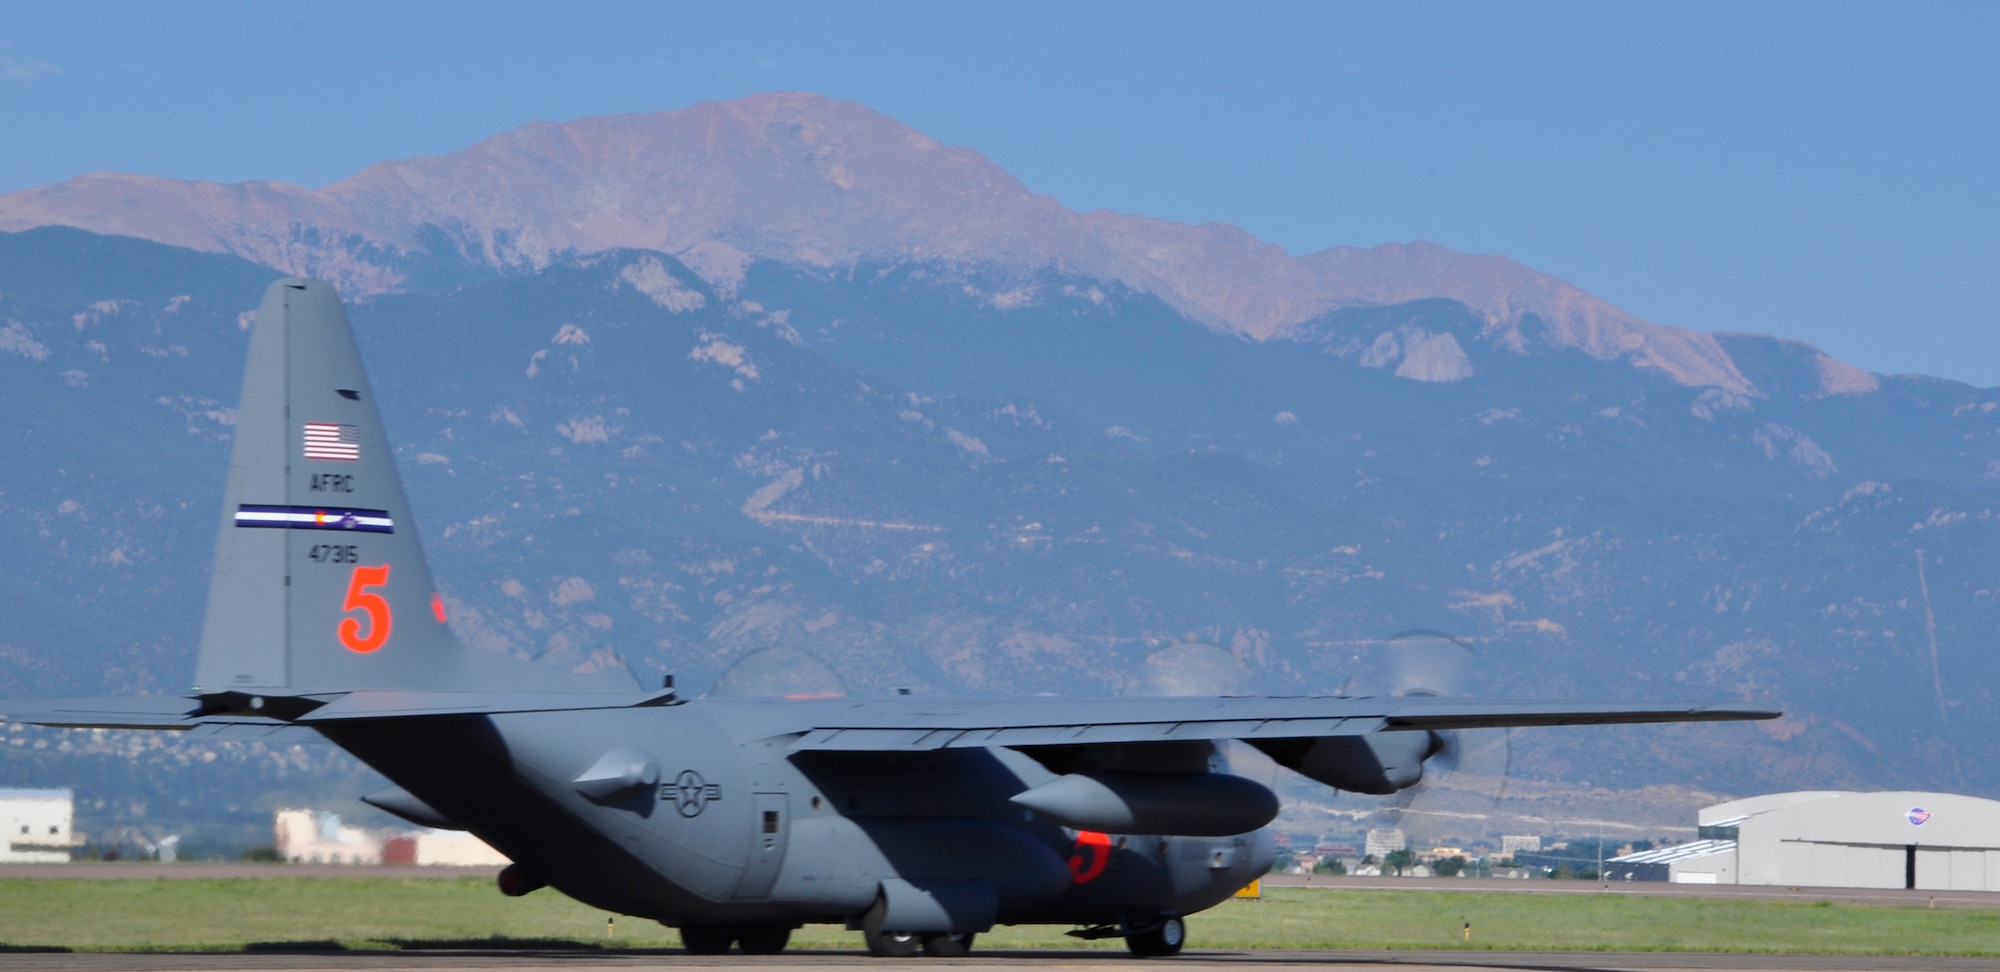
(919, 821)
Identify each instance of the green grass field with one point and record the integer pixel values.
(379, 913)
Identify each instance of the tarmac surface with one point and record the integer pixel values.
(530, 960)
(148, 871)
(137, 870)
(1871, 896)
(1018, 961)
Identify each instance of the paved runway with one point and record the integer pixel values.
(1859, 896)
(1193, 961)
(1011, 961)
(149, 871)
(97, 870)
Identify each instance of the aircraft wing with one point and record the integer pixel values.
(905, 725)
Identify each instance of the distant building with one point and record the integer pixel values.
(1383, 841)
(1697, 862)
(1509, 846)
(455, 848)
(1824, 838)
(36, 826)
(318, 837)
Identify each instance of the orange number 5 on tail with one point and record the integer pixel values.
(370, 604)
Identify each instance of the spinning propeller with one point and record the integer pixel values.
(779, 673)
(1466, 776)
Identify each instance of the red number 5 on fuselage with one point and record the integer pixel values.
(371, 605)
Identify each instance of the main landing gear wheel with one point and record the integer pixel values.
(887, 944)
(892, 944)
(763, 939)
(707, 939)
(1159, 941)
(948, 945)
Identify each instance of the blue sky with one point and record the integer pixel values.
(1823, 171)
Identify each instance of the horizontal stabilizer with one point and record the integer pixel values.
(404, 705)
(265, 731)
(117, 712)
(198, 717)
(171, 712)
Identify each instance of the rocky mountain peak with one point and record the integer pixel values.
(789, 177)
(807, 180)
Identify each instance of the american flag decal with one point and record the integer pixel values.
(326, 440)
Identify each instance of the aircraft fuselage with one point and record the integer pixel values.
(734, 830)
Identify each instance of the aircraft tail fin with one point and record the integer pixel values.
(319, 583)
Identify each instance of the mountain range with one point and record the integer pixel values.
(800, 179)
(781, 372)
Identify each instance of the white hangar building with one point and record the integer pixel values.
(35, 826)
(1824, 838)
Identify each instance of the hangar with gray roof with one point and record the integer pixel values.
(1828, 838)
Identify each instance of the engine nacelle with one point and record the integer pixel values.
(1379, 763)
(1192, 804)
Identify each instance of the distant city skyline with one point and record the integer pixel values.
(1821, 172)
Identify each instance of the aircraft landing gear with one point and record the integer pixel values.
(1159, 941)
(901, 944)
(948, 945)
(885, 943)
(763, 939)
(716, 939)
(706, 939)
(892, 944)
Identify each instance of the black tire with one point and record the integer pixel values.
(763, 939)
(1159, 941)
(885, 942)
(892, 944)
(948, 945)
(707, 939)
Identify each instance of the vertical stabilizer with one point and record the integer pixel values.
(320, 584)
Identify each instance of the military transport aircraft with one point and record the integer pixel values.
(917, 821)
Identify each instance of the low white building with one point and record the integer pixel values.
(456, 848)
(318, 837)
(36, 826)
(445, 848)
(1826, 838)
(1383, 841)
(1700, 862)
